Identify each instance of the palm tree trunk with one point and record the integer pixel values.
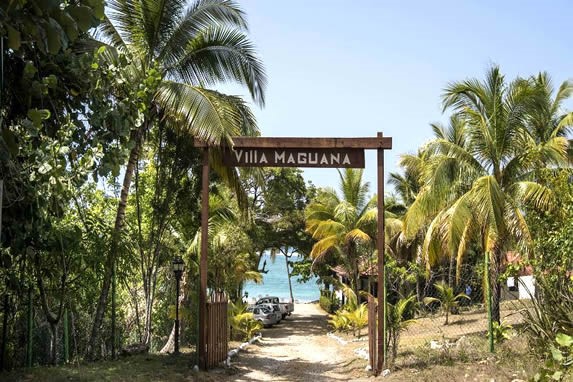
(112, 254)
(495, 285)
(451, 271)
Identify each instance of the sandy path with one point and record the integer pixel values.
(297, 350)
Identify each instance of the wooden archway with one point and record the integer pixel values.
(300, 152)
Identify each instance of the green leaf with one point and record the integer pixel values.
(44, 168)
(37, 116)
(564, 340)
(82, 15)
(70, 26)
(98, 8)
(53, 35)
(14, 40)
(51, 81)
(556, 354)
(557, 375)
(29, 70)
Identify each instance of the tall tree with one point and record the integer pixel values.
(343, 225)
(175, 51)
(496, 163)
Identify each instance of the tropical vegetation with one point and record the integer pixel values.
(101, 107)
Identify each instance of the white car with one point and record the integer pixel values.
(286, 307)
(264, 315)
(273, 308)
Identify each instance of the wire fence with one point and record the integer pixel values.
(450, 317)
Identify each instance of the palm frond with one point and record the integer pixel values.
(533, 194)
(205, 114)
(218, 55)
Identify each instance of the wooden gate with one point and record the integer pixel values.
(217, 330)
(291, 152)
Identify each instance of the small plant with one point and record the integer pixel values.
(242, 322)
(501, 332)
(346, 320)
(339, 322)
(246, 324)
(397, 321)
(446, 298)
(352, 317)
(559, 365)
(328, 302)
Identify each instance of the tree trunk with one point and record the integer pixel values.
(288, 276)
(6, 312)
(169, 346)
(451, 271)
(54, 353)
(495, 286)
(112, 254)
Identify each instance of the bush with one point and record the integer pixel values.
(242, 322)
(551, 311)
(328, 304)
(559, 365)
(350, 320)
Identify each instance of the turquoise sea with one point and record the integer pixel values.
(275, 283)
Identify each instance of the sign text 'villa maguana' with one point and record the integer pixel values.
(288, 157)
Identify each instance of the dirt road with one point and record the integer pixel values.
(297, 350)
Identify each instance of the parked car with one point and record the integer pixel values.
(286, 307)
(275, 309)
(264, 315)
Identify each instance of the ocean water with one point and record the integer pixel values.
(275, 283)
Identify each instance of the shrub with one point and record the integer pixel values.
(242, 322)
(550, 313)
(328, 304)
(350, 320)
(559, 365)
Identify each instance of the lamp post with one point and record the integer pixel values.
(178, 267)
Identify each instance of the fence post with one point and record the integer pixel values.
(488, 302)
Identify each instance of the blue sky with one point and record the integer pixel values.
(342, 69)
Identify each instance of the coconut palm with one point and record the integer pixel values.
(446, 298)
(343, 225)
(493, 177)
(399, 317)
(175, 52)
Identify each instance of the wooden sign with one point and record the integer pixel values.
(294, 157)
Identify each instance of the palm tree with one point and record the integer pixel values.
(343, 225)
(399, 317)
(446, 298)
(494, 166)
(177, 51)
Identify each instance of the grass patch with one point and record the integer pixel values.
(148, 367)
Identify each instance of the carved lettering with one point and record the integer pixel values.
(291, 157)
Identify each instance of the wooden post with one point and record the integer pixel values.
(372, 333)
(203, 261)
(381, 361)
